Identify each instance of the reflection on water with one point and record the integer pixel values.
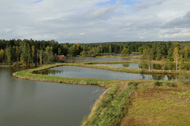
(100, 59)
(130, 65)
(144, 65)
(33, 103)
(71, 71)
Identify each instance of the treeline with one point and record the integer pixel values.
(169, 53)
(35, 52)
(28, 52)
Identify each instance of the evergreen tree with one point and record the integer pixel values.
(25, 55)
(181, 64)
(8, 55)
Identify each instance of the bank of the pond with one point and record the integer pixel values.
(116, 56)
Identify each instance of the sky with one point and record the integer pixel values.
(88, 21)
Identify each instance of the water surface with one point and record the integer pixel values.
(129, 65)
(101, 59)
(34, 103)
(81, 72)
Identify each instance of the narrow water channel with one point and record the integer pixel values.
(100, 59)
(81, 72)
(34, 103)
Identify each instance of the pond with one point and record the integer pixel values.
(81, 72)
(34, 103)
(101, 59)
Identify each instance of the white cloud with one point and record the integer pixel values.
(86, 21)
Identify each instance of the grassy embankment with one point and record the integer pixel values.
(132, 103)
(112, 56)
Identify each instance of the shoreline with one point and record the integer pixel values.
(5, 66)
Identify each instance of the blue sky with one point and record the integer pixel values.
(95, 21)
(37, 1)
(113, 2)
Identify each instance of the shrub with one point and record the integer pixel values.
(157, 83)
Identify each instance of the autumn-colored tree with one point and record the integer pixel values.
(125, 51)
(83, 53)
(2, 54)
(176, 57)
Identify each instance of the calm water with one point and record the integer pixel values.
(145, 66)
(101, 59)
(130, 65)
(34, 103)
(132, 54)
(81, 72)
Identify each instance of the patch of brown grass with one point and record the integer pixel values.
(159, 106)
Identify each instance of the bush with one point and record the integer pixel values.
(157, 83)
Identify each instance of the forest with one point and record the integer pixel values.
(27, 52)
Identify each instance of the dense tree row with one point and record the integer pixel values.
(169, 53)
(28, 52)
